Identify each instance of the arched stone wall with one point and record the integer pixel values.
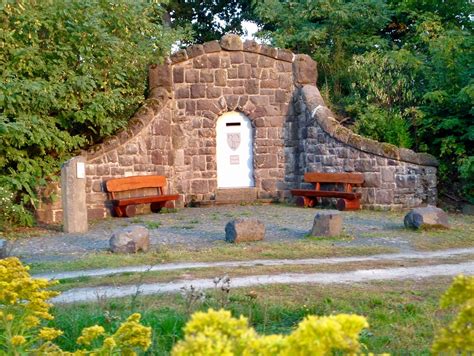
(174, 135)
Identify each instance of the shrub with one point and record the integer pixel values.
(458, 337)
(73, 72)
(218, 333)
(24, 308)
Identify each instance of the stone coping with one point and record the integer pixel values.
(140, 120)
(231, 42)
(325, 119)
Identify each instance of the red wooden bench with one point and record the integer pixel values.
(348, 200)
(138, 187)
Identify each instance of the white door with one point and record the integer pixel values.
(234, 151)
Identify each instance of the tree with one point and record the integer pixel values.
(209, 19)
(73, 73)
(402, 69)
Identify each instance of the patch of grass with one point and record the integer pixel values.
(341, 237)
(403, 315)
(219, 252)
(137, 220)
(168, 210)
(152, 224)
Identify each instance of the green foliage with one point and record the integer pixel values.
(209, 19)
(73, 73)
(383, 125)
(458, 337)
(12, 214)
(401, 68)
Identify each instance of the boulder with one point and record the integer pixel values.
(3, 248)
(327, 223)
(428, 217)
(130, 239)
(244, 230)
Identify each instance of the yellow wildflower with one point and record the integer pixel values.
(216, 333)
(49, 334)
(132, 334)
(321, 335)
(10, 317)
(90, 334)
(458, 337)
(31, 321)
(109, 343)
(18, 340)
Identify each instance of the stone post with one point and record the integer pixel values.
(73, 194)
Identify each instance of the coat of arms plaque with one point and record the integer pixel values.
(233, 140)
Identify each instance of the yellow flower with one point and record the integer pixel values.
(109, 343)
(49, 334)
(10, 317)
(31, 321)
(132, 334)
(214, 333)
(89, 334)
(458, 337)
(18, 340)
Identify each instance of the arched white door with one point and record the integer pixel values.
(234, 151)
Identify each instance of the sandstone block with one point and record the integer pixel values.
(212, 46)
(231, 42)
(327, 223)
(244, 230)
(428, 217)
(130, 239)
(305, 69)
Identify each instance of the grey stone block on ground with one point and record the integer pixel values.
(327, 223)
(130, 239)
(428, 217)
(244, 230)
(3, 248)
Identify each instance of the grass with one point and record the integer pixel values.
(218, 252)
(403, 315)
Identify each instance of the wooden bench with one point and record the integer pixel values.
(135, 186)
(348, 200)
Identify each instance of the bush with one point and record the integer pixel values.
(384, 126)
(24, 308)
(11, 213)
(458, 337)
(73, 72)
(218, 333)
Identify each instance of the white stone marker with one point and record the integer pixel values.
(73, 195)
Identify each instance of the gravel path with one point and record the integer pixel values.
(202, 227)
(252, 263)
(93, 293)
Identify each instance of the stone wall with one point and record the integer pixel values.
(395, 178)
(174, 133)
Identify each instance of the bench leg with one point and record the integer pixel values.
(346, 204)
(309, 202)
(156, 207)
(118, 211)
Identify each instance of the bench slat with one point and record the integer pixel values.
(136, 182)
(350, 178)
(326, 194)
(145, 200)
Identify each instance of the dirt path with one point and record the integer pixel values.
(92, 294)
(252, 263)
(200, 228)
